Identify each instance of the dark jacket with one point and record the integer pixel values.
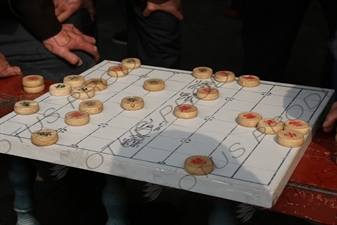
(38, 16)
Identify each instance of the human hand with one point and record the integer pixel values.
(65, 8)
(6, 70)
(70, 38)
(170, 6)
(331, 118)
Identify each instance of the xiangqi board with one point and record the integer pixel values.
(151, 144)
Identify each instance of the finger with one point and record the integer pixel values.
(91, 49)
(11, 71)
(147, 12)
(92, 13)
(58, 11)
(89, 39)
(64, 15)
(330, 121)
(328, 129)
(15, 71)
(71, 58)
(177, 14)
(81, 44)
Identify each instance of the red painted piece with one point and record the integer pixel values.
(311, 192)
(11, 91)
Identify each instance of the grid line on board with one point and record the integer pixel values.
(176, 120)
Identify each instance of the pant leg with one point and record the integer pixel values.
(239, 6)
(269, 30)
(22, 49)
(334, 53)
(154, 40)
(329, 75)
(86, 192)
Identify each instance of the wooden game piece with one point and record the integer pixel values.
(132, 103)
(185, 111)
(290, 138)
(60, 89)
(202, 72)
(118, 71)
(98, 84)
(74, 80)
(83, 92)
(26, 107)
(248, 119)
(207, 93)
(44, 137)
(298, 125)
(249, 81)
(269, 126)
(154, 84)
(198, 165)
(131, 63)
(31, 81)
(77, 118)
(224, 76)
(34, 90)
(91, 106)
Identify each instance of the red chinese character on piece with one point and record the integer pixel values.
(290, 134)
(208, 90)
(33, 78)
(197, 160)
(76, 114)
(295, 123)
(118, 68)
(249, 116)
(250, 77)
(223, 73)
(270, 122)
(185, 107)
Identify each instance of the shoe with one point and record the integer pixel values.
(120, 38)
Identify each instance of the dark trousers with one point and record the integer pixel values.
(154, 40)
(22, 49)
(269, 30)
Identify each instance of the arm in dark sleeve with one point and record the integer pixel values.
(38, 16)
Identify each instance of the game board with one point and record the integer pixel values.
(151, 144)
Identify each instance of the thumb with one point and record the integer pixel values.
(72, 58)
(177, 14)
(16, 70)
(147, 12)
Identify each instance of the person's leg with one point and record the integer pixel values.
(329, 77)
(269, 30)
(334, 53)
(22, 49)
(154, 40)
(88, 208)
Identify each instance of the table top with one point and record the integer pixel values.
(151, 144)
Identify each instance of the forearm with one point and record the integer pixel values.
(38, 16)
